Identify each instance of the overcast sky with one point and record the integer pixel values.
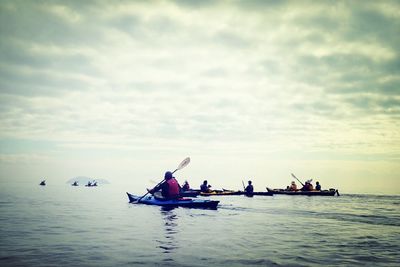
(124, 90)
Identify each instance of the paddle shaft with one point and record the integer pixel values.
(297, 179)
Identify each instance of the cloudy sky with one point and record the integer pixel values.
(124, 90)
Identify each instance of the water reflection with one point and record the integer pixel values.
(169, 243)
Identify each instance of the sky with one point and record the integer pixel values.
(125, 90)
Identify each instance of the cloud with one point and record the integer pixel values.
(251, 77)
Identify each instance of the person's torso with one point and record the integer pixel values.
(249, 189)
(171, 188)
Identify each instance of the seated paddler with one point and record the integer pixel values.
(293, 186)
(205, 187)
(186, 186)
(168, 189)
(249, 188)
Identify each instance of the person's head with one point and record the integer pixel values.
(317, 182)
(293, 182)
(249, 182)
(186, 182)
(205, 182)
(168, 175)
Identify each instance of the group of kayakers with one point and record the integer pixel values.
(307, 186)
(169, 188)
(89, 184)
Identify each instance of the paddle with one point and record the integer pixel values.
(297, 179)
(183, 164)
(244, 188)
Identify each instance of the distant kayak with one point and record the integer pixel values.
(330, 192)
(91, 184)
(258, 194)
(181, 202)
(234, 193)
(221, 193)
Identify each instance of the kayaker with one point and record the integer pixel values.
(170, 188)
(317, 186)
(249, 188)
(308, 186)
(293, 186)
(186, 186)
(205, 187)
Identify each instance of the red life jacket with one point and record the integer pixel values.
(173, 188)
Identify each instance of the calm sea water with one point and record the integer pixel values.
(61, 225)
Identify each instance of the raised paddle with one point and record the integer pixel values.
(183, 164)
(297, 179)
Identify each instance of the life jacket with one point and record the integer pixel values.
(173, 188)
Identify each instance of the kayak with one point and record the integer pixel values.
(330, 192)
(221, 193)
(189, 193)
(234, 193)
(181, 202)
(258, 194)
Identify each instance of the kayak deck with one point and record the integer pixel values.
(234, 193)
(181, 202)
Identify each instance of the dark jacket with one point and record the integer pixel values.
(249, 189)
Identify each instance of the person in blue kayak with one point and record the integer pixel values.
(317, 186)
(249, 188)
(170, 188)
(205, 187)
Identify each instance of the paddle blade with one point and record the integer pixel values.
(183, 164)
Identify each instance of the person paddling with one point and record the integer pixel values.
(308, 186)
(293, 186)
(249, 188)
(186, 186)
(317, 186)
(205, 187)
(170, 188)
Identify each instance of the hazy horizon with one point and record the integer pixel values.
(255, 90)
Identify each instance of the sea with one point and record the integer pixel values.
(62, 225)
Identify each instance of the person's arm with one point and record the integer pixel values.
(156, 188)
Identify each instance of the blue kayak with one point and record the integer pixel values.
(181, 202)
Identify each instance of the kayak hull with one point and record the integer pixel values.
(182, 202)
(259, 194)
(190, 193)
(330, 192)
(221, 193)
